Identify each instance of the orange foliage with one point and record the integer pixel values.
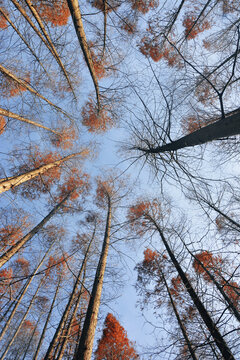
(21, 265)
(10, 88)
(151, 47)
(104, 191)
(233, 291)
(5, 279)
(150, 256)
(55, 266)
(99, 4)
(144, 6)
(77, 183)
(220, 222)
(229, 6)
(3, 20)
(177, 286)
(11, 233)
(129, 25)
(32, 188)
(96, 121)
(139, 210)
(191, 30)
(2, 124)
(55, 12)
(209, 262)
(100, 63)
(28, 325)
(192, 123)
(114, 344)
(64, 138)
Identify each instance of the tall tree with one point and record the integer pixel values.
(114, 343)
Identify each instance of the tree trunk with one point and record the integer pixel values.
(219, 287)
(180, 323)
(25, 85)
(68, 307)
(85, 346)
(22, 321)
(218, 338)
(47, 320)
(12, 115)
(11, 182)
(3, 13)
(26, 286)
(222, 128)
(78, 24)
(15, 248)
(54, 51)
(73, 316)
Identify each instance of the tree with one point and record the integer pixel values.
(84, 349)
(114, 343)
(147, 215)
(51, 165)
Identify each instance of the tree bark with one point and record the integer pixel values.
(47, 320)
(42, 27)
(180, 323)
(15, 248)
(84, 350)
(222, 128)
(25, 85)
(18, 301)
(12, 115)
(69, 305)
(11, 182)
(21, 323)
(218, 338)
(78, 24)
(3, 13)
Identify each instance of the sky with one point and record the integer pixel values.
(137, 94)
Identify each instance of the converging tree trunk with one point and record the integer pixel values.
(212, 327)
(72, 298)
(18, 301)
(180, 323)
(78, 24)
(54, 51)
(25, 85)
(15, 248)
(84, 350)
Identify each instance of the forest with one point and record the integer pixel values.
(119, 180)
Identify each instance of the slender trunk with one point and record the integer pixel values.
(219, 287)
(12, 115)
(54, 51)
(220, 212)
(73, 317)
(15, 248)
(26, 286)
(222, 128)
(4, 14)
(22, 321)
(78, 24)
(47, 320)
(85, 346)
(32, 335)
(55, 55)
(68, 307)
(11, 182)
(218, 338)
(25, 85)
(180, 323)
